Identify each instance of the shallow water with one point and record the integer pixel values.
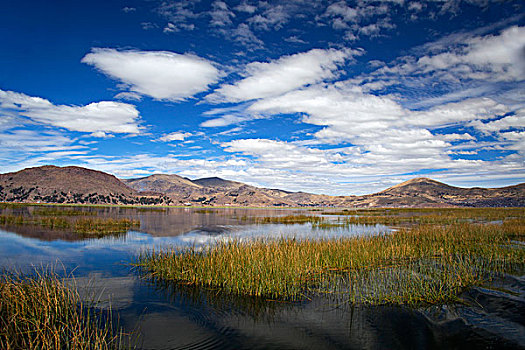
(164, 316)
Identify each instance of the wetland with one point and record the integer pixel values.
(166, 278)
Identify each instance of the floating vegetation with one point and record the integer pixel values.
(153, 210)
(447, 216)
(87, 227)
(40, 312)
(103, 226)
(287, 220)
(424, 264)
(61, 212)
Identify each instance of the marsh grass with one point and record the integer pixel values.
(61, 212)
(39, 312)
(287, 219)
(396, 216)
(86, 227)
(424, 264)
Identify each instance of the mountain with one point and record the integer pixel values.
(424, 192)
(162, 183)
(70, 184)
(218, 183)
(208, 191)
(53, 184)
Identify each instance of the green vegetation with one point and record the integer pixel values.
(396, 216)
(288, 219)
(423, 264)
(86, 227)
(40, 312)
(56, 211)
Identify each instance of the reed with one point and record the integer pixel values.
(287, 220)
(98, 227)
(86, 227)
(40, 312)
(54, 211)
(423, 264)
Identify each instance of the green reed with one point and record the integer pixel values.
(423, 264)
(40, 312)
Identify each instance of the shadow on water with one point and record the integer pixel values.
(218, 320)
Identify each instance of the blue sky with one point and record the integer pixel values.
(335, 97)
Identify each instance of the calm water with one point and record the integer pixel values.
(171, 317)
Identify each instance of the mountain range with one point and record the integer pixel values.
(51, 184)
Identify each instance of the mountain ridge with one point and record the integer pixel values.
(52, 184)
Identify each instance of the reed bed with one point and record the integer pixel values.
(423, 264)
(61, 212)
(40, 312)
(287, 220)
(86, 227)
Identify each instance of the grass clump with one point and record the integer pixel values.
(287, 219)
(40, 312)
(85, 227)
(61, 212)
(423, 264)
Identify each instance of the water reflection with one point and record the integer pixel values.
(167, 316)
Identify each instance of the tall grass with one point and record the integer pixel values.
(40, 312)
(85, 227)
(287, 219)
(424, 264)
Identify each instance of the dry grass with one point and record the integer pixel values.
(40, 312)
(85, 227)
(424, 264)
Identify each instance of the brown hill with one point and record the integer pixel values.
(424, 192)
(163, 183)
(51, 184)
(209, 191)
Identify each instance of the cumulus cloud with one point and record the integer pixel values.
(98, 118)
(265, 79)
(162, 75)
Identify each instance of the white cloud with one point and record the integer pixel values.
(175, 136)
(245, 7)
(162, 75)
(459, 112)
(273, 18)
(516, 121)
(130, 96)
(491, 58)
(220, 14)
(265, 79)
(455, 137)
(97, 117)
(179, 13)
(244, 35)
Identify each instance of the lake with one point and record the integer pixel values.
(168, 316)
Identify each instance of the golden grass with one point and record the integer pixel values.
(40, 312)
(85, 227)
(424, 264)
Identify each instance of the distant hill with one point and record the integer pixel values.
(424, 191)
(217, 183)
(51, 184)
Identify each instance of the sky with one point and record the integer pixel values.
(329, 97)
